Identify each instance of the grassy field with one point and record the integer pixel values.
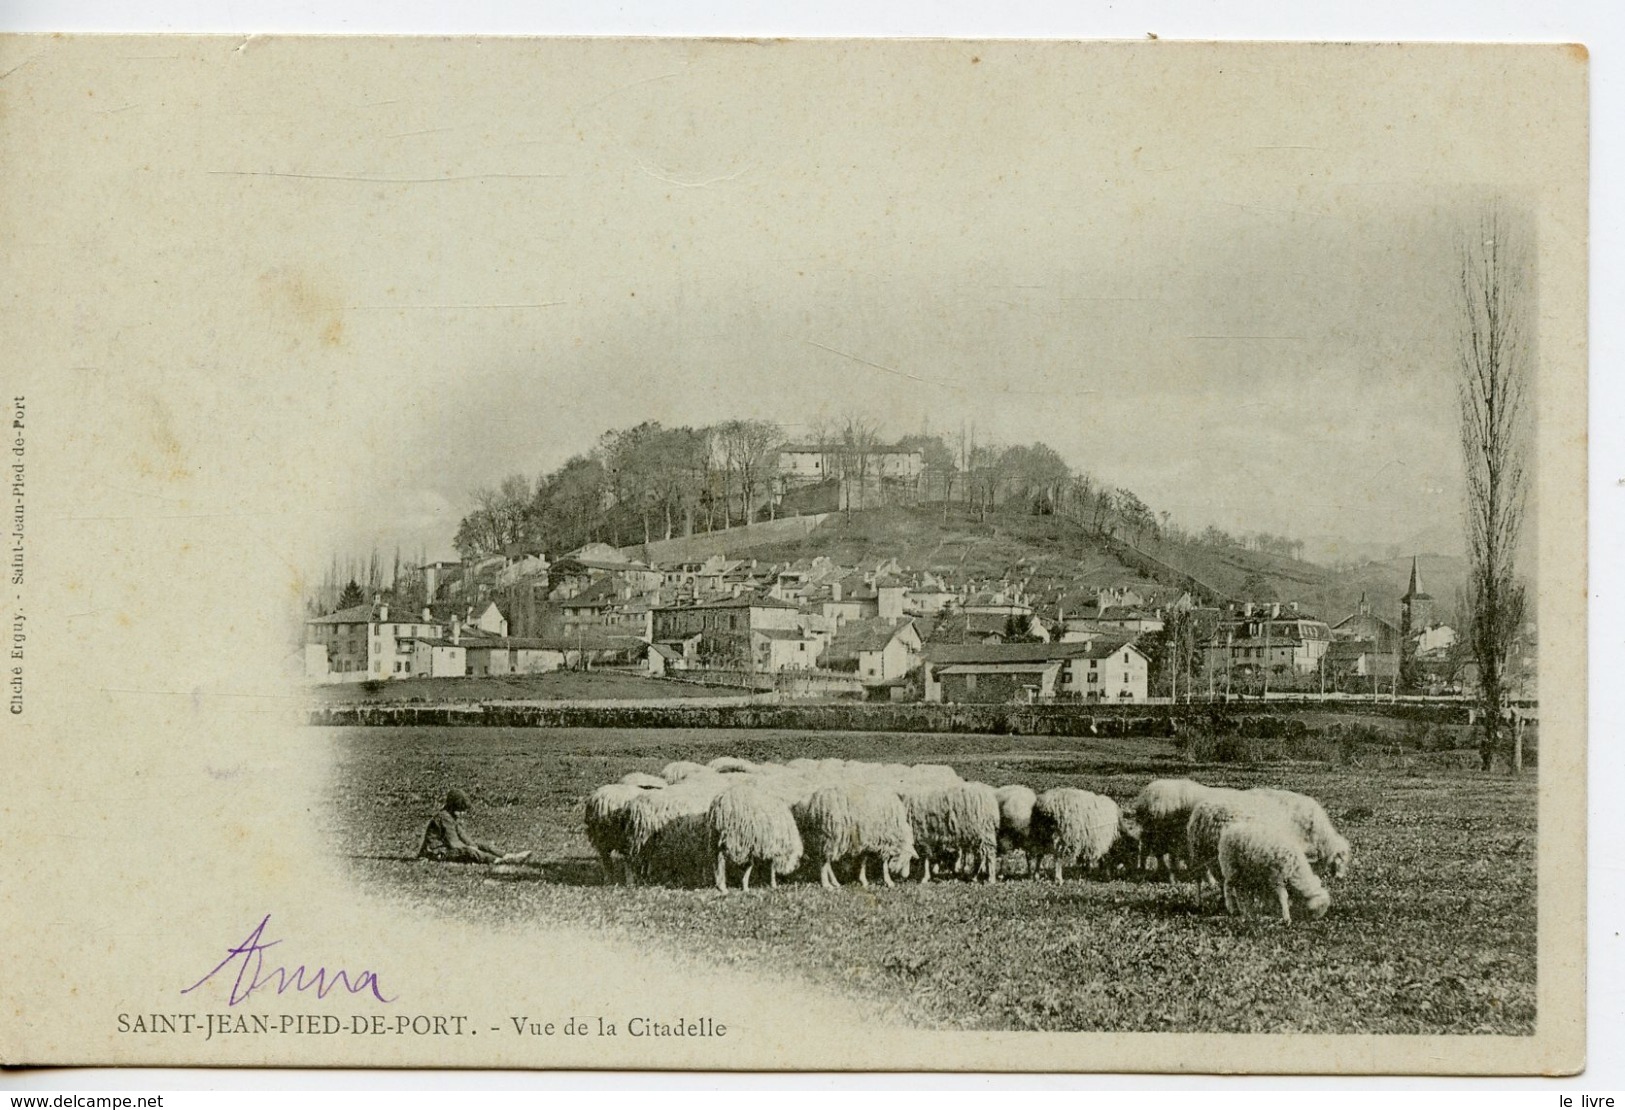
(555, 686)
(1433, 932)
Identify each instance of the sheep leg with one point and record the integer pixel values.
(1229, 896)
(744, 880)
(722, 870)
(993, 866)
(925, 868)
(863, 870)
(826, 876)
(885, 872)
(1286, 903)
(772, 876)
(1060, 869)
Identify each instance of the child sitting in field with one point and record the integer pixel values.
(448, 838)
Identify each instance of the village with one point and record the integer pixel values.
(878, 629)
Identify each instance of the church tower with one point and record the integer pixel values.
(1416, 607)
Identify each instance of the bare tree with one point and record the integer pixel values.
(860, 437)
(1493, 368)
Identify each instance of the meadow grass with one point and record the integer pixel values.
(1432, 932)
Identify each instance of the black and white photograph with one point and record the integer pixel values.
(918, 555)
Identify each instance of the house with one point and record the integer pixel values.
(437, 574)
(581, 569)
(1009, 681)
(928, 596)
(1103, 669)
(513, 656)
(1128, 618)
(436, 657)
(1363, 624)
(365, 642)
(1349, 661)
(987, 628)
(783, 649)
(523, 562)
(592, 604)
(726, 626)
(998, 602)
(810, 463)
(1268, 641)
(877, 651)
(1434, 641)
(479, 618)
(663, 659)
(1079, 629)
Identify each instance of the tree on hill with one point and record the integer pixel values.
(1036, 475)
(351, 595)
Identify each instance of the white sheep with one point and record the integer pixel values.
(749, 826)
(1015, 821)
(1211, 816)
(1261, 860)
(829, 831)
(883, 831)
(652, 810)
(1156, 820)
(1322, 843)
(678, 851)
(1074, 826)
(678, 770)
(605, 820)
(962, 820)
(731, 765)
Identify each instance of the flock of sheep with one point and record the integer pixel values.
(697, 822)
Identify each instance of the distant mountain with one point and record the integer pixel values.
(1442, 538)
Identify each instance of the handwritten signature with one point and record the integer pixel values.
(252, 975)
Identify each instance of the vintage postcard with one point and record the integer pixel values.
(896, 555)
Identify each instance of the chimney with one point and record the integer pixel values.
(1275, 609)
(426, 615)
(383, 611)
(456, 629)
(1246, 608)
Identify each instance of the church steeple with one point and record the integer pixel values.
(1415, 606)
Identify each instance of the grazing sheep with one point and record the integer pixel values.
(748, 826)
(643, 780)
(883, 831)
(681, 769)
(829, 831)
(1156, 819)
(1322, 843)
(679, 851)
(1262, 860)
(731, 765)
(1211, 816)
(1015, 819)
(933, 774)
(605, 820)
(961, 820)
(1074, 826)
(652, 810)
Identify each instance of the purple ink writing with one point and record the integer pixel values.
(253, 975)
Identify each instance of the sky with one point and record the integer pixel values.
(1225, 283)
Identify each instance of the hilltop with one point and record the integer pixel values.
(1056, 556)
